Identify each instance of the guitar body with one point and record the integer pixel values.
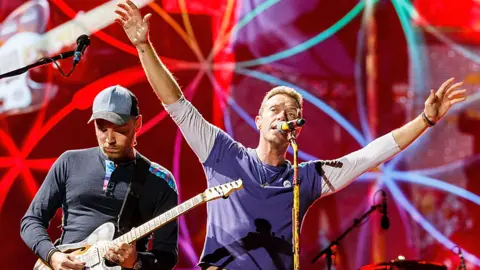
(20, 35)
(91, 250)
(23, 41)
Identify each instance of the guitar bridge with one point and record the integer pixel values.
(91, 258)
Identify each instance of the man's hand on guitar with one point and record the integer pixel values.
(124, 255)
(62, 261)
(130, 18)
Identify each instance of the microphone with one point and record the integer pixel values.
(385, 222)
(83, 42)
(285, 127)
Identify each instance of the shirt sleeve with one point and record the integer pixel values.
(226, 156)
(197, 131)
(214, 147)
(33, 227)
(164, 252)
(339, 173)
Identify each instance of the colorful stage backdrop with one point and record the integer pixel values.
(226, 54)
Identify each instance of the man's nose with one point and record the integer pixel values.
(282, 116)
(111, 137)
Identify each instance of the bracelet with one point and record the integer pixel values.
(50, 254)
(427, 121)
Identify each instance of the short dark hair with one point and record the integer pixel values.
(134, 110)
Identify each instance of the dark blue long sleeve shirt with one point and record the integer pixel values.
(76, 183)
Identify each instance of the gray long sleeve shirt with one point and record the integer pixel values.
(76, 183)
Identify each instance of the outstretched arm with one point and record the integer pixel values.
(436, 106)
(137, 29)
(339, 173)
(199, 134)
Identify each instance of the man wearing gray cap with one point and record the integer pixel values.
(91, 185)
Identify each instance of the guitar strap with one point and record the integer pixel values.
(132, 197)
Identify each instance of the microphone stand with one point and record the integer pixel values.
(296, 203)
(462, 261)
(42, 61)
(328, 250)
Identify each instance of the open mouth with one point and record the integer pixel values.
(276, 130)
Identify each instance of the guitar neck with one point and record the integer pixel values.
(159, 221)
(84, 23)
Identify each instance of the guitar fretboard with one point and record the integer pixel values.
(159, 221)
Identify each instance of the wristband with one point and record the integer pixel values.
(427, 121)
(50, 254)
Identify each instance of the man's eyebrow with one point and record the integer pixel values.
(122, 126)
(292, 106)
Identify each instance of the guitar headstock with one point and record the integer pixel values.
(222, 190)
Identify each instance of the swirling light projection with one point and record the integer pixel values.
(19, 163)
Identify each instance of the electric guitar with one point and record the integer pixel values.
(93, 249)
(22, 44)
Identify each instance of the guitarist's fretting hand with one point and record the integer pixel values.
(124, 255)
(62, 261)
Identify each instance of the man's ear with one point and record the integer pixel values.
(257, 121)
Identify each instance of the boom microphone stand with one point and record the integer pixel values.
(356, 222)
(41, 62)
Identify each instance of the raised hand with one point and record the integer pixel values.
(130, 18)
(438, 103)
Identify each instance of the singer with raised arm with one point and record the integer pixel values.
(253, 229)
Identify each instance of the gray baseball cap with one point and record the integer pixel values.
(115, 104)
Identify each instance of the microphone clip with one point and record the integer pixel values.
(290, 126)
